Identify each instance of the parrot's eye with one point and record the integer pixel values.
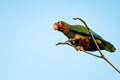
(60, 24)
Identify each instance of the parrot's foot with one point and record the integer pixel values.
(79, 48)
(71, 39)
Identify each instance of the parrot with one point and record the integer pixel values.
(82, 38)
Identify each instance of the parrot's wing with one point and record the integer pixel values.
(83, 30)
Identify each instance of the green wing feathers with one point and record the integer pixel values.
(109, 47)
(83, 30)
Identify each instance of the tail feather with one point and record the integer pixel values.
(109, 47)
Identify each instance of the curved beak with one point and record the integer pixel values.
(55, 26)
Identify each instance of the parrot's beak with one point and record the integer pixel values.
(55, 26)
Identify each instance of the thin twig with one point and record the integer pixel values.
(66, 42)
(102, 55)
(63, 43)
(92, 54)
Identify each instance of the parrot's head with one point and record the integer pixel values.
(62, 26)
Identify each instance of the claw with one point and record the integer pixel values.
(79, 48)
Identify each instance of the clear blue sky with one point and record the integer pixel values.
(27, 40)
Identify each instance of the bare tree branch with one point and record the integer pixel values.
(67, 43)
(102, 55)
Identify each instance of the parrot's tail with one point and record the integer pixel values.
(109, 47)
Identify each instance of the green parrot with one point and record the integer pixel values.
(82, 38)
